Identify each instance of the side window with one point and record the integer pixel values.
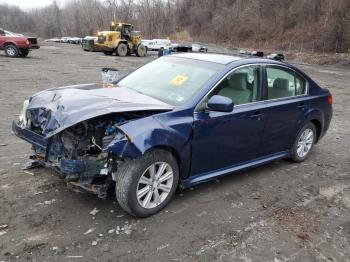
(300, 85)
(242, 86)
(282, 82)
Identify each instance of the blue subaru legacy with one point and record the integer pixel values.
(177, 121)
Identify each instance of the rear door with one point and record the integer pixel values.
(287, 102)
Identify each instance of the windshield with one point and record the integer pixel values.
(172, 80)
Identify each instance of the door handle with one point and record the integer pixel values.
(302, 106)
(256, 116)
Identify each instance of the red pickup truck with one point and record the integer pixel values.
(16, 45)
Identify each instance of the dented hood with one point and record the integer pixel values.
(56, 109)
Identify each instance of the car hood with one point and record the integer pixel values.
(56, 109)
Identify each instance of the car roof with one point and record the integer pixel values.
(214, 58)
(228, 59)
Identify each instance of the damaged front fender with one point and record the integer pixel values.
(139, 136)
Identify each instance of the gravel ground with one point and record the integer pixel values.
(279, 212)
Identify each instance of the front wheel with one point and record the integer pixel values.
(11, 51)
(303, 143)
(146, 184)
(122, 49)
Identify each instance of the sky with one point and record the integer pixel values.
(28, 4)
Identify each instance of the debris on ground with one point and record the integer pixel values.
(49, 202)
(94, 211)
(31, 164)
(203, 213)
(29, 173)
(162, 247)
(89, 231)
(4, 226)
(111, 231)
(94, 243)
(2, 232)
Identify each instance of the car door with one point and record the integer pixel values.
(286, 102)
(224, 139)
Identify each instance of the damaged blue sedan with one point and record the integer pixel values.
(177, 121)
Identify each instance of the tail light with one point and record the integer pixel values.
(330, 100)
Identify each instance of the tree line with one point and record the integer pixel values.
(313, 25)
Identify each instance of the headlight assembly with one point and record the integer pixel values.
(23, 115)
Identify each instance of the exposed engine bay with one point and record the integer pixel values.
(80, 152)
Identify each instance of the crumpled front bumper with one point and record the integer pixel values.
(88, 168)
(29, 136)
(66, 166)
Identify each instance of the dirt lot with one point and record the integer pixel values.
(280, 212)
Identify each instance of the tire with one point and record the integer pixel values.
(122, 49)
(108, 52)
(160, 52)
(23, 52)
(128, 183)
(303, 145)
(11, 51)
(141, 50)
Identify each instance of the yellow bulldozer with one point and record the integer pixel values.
(122, 40)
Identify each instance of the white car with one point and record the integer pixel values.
(146, 43)
(64, 39)
(95, 38)
(54, 40)
(156, 44)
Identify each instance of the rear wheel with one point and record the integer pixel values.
(11, 51)
(146, 185)
(23, 52)
(303, 143)
(141, 50)
(122, 49)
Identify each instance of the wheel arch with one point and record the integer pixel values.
(315, 117)
(318, 127)
(168, 148)
(9, 43)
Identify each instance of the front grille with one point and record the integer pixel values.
(33, 40)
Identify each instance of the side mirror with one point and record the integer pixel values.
(220, 104)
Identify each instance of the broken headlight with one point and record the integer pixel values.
(23, 115)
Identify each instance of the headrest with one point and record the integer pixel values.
(281, 83)
(239, 81)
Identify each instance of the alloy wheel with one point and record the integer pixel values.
(305, 142)
(11, 51)
(155, 185)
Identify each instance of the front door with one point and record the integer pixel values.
(222, 139)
